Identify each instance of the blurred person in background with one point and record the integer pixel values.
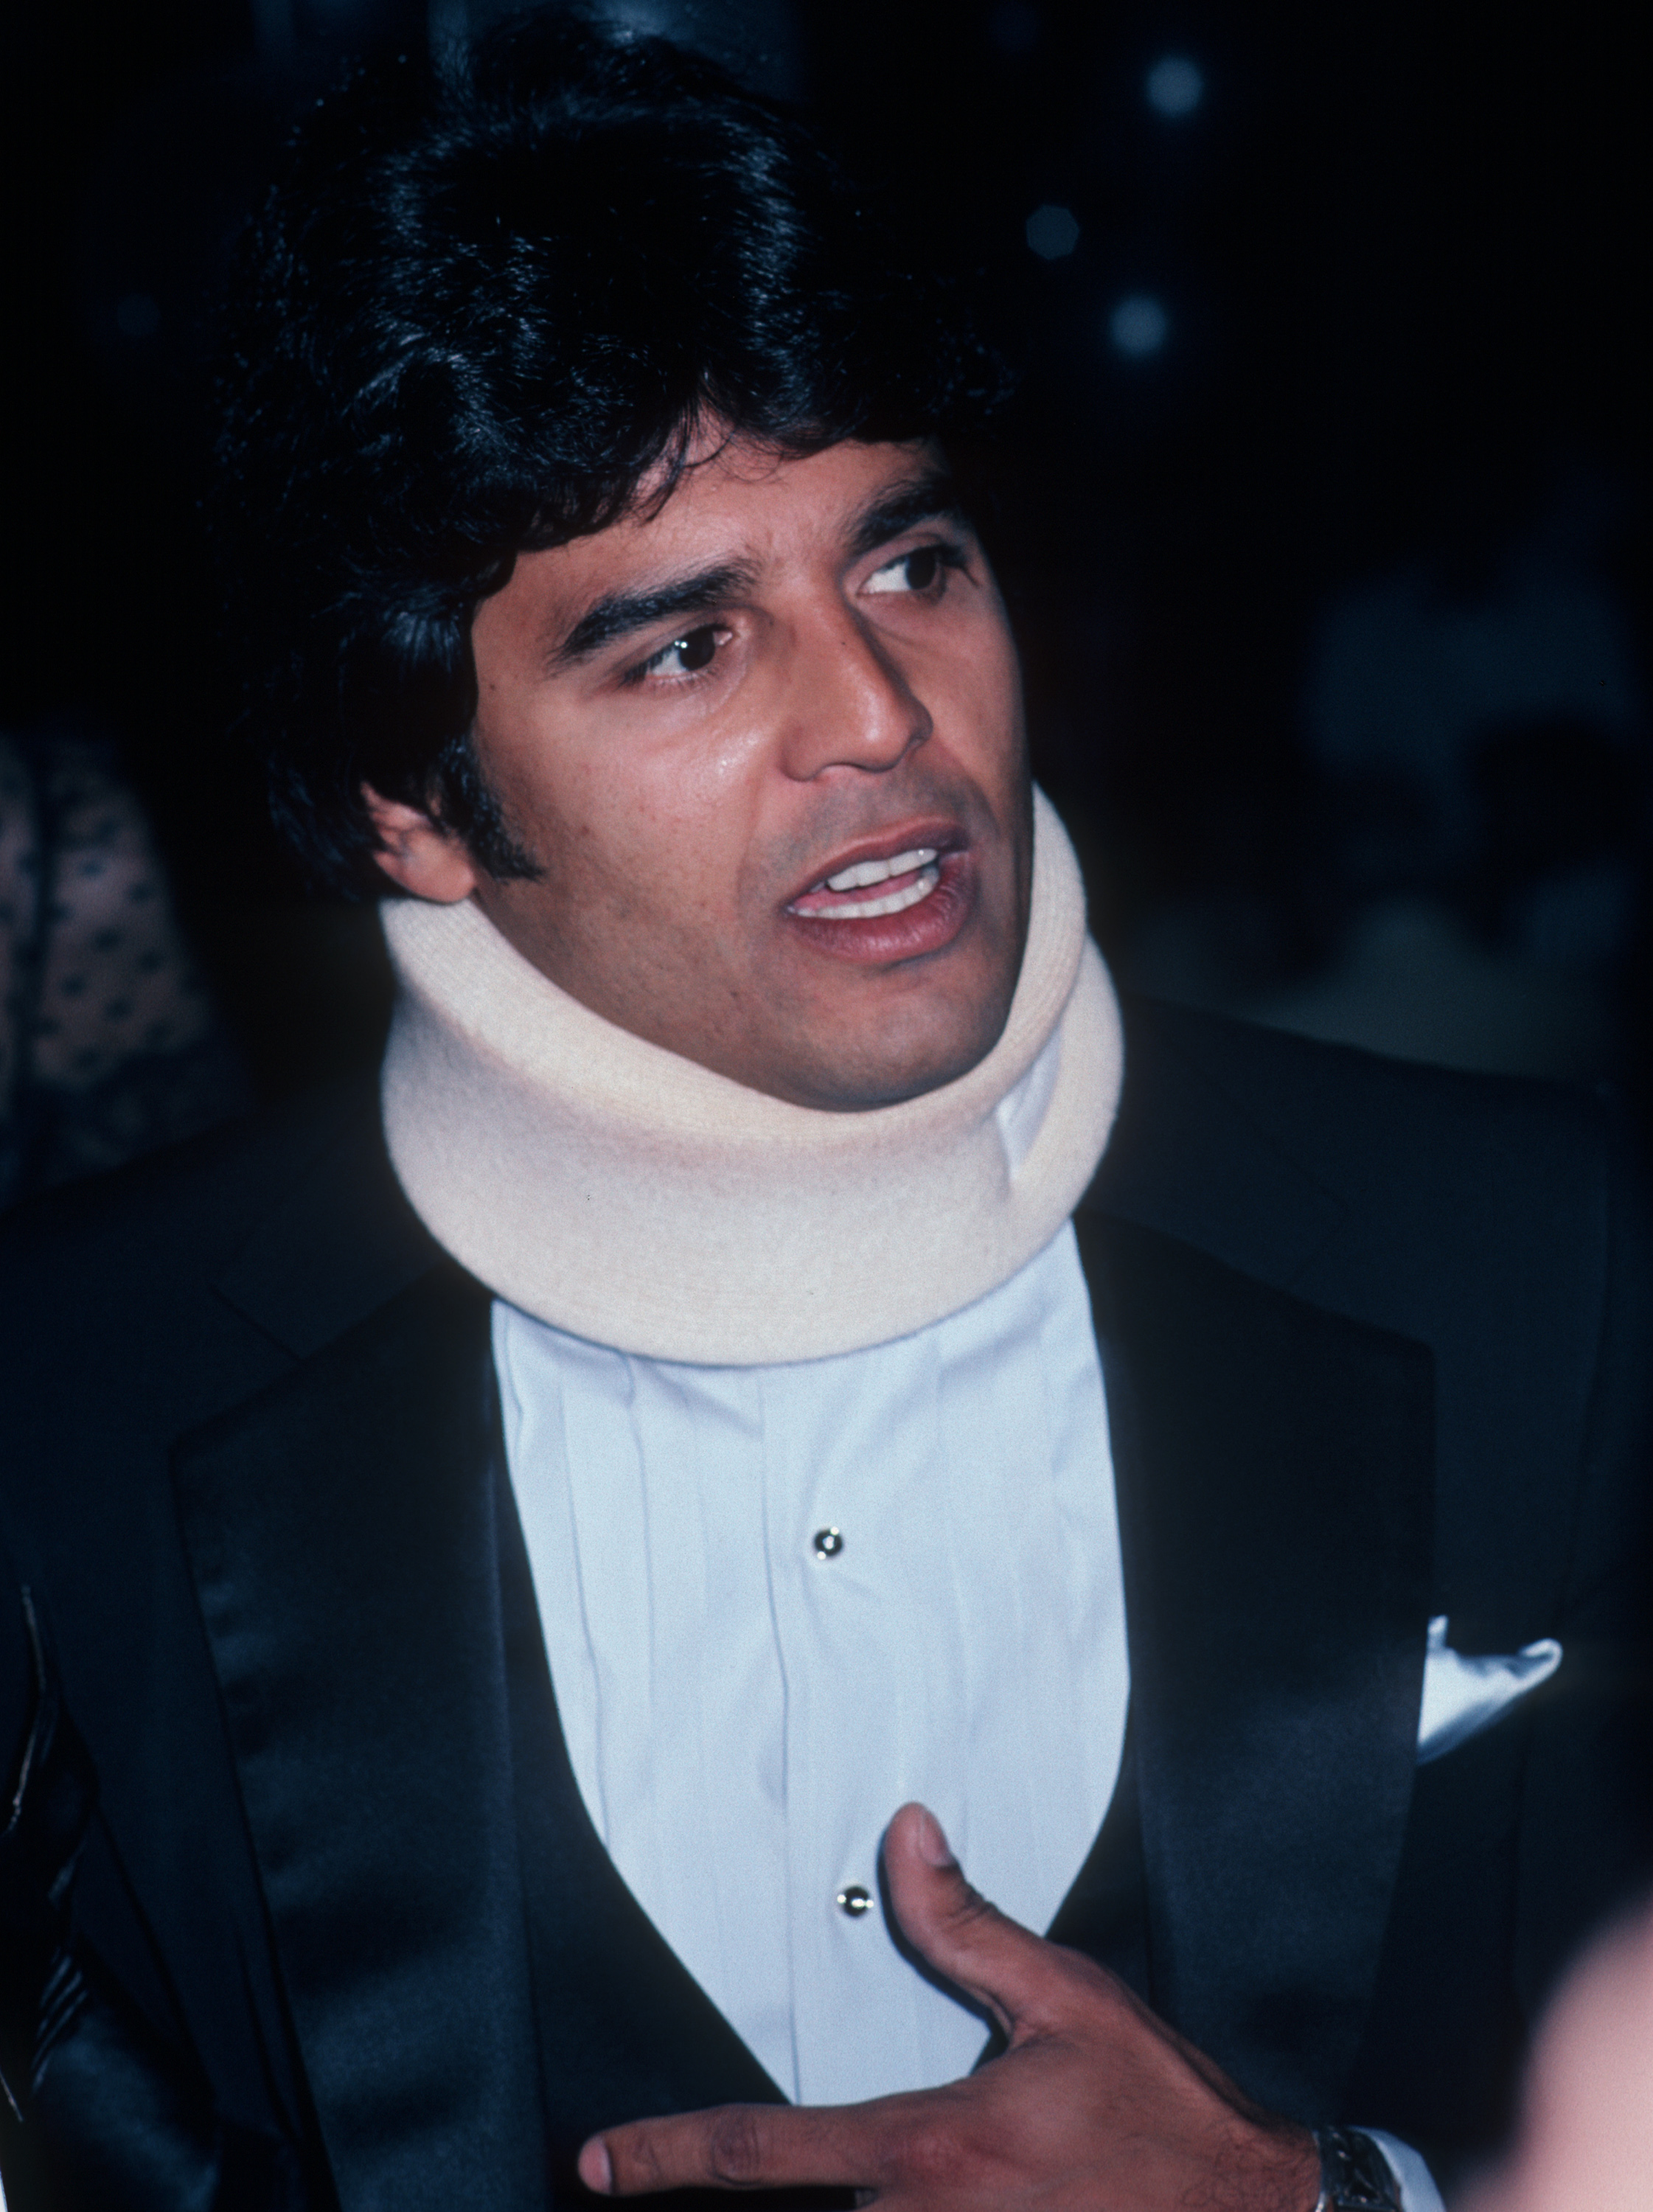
(109, 1044)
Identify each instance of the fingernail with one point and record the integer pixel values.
(597, 2167)
(932, 1845)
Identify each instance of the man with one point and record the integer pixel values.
(779, 1362)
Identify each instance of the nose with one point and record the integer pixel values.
(850, 704)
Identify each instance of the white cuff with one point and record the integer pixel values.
(1418, 2189)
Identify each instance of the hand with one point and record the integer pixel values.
(1096, 2105)
(1586, 2139)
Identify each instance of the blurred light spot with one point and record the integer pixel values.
(644, 19)
(1013, 26)
(1052, 232)
(1138, 326)
(1176, 85)
(137, 316)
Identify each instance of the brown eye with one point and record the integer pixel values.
(920, 571)
(697, 650)
(686, 655)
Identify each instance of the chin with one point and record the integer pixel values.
(857, 1081)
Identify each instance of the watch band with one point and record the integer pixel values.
(1354, 2175)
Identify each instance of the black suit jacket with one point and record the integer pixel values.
(1375, 1340)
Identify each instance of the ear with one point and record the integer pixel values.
(418, 854)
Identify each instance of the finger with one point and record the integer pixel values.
(1017, 1976)
(741, 2147)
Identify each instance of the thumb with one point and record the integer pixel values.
(995, 1961)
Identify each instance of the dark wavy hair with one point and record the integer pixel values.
(483, 303)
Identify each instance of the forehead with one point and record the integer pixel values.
(744, 508)
(742, 485)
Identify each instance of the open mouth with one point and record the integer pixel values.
(868, 890)
(901, 896)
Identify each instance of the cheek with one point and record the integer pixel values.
(660, 831)
(697, 795)
(985, 711)
(1002, 683)
(977, 670)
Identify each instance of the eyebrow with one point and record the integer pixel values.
(932, 497)
(620, 613)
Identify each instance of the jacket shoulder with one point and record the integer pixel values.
(1240, 1131)
(135, 1306)
(1502, 1224)
(165, 1219)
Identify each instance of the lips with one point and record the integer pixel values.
(890, 898)
(879, 875)
(873, 888)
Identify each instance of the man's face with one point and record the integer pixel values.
(717, 726)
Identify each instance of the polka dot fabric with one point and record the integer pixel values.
(108, 1042)
(19, 876)
(115, 978)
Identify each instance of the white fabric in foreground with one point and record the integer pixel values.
(628, 1195)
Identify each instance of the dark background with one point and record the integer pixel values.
(1324, 509)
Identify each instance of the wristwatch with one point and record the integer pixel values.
(1354, 2175)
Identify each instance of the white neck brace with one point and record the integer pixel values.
(633, 1197)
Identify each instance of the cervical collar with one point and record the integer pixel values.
(633, 1197)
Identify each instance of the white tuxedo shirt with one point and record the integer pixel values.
(779, 1602)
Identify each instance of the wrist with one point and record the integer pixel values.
(1274, 2166)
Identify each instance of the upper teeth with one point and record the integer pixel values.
(879, 871)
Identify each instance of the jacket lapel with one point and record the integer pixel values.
(625, 2031)
(340, 1529)
(442, 1909)
(1274, 1470)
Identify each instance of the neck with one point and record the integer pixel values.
(623, 1194)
